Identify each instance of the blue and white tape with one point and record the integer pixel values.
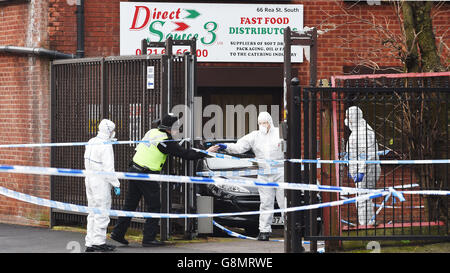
(394, 195)
(240, 236)
(118, 213)
(344, 155)
(223, 156)
(427, 192)
(198, 180)
(348, 223)
(65, 144)
(237, 235)
(180, 179)
(394, 207)
(326, 161)
(407, 186)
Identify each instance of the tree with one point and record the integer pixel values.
(425, 121)
(421, 51)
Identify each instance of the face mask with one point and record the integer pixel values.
(113, 134)
(346, 122)
(263, 129)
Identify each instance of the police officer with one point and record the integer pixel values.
(150, 158)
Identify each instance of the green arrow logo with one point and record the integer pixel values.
(192, 14)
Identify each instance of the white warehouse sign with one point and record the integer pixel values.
(224, 32)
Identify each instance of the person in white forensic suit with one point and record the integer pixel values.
(362, 145)
(265, 144)
(100, 157)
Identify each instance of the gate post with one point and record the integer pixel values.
(304, 38)
(330, 215)
(292, 171)
(164, 110)
(312, 178)
(190, 200)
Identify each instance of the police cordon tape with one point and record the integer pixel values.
(192, 179)
(406, 186)
(119, 213)
(368, 193)
(240, 236)
(224, 156)
(326, 161)
(165, 178)
(393, 207)
(237, 235)
(65, 144)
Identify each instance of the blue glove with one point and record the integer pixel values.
(117, 190)
(222, 146)
(358, 178)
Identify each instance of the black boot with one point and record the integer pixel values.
(119, 239)
(100, 248)
(153, 243)
(263, 236)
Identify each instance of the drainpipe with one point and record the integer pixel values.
(80, 28)
(52, 54)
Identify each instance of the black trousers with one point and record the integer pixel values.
(136, 189)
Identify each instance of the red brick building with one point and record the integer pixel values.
(52, 25)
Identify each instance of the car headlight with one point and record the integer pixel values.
(233, 188)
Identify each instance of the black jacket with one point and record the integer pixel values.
(172, 148)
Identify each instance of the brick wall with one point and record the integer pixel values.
(24, 109)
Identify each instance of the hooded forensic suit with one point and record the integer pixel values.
(362, 145)
(98, 188)
(265, 144)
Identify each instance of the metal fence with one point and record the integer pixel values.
(84, 91)
(410, 119)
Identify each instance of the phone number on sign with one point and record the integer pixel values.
(156, 51)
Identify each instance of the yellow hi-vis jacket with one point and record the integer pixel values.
(147, 154)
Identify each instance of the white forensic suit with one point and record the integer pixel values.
(98, 188)
(362, 145)
(265, 145)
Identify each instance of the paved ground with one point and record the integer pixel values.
(25, 239)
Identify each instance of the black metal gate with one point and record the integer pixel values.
(410, 118)
(132, 91)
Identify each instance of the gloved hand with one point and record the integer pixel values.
(222, 146)
(357, 178)
(117, 190)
